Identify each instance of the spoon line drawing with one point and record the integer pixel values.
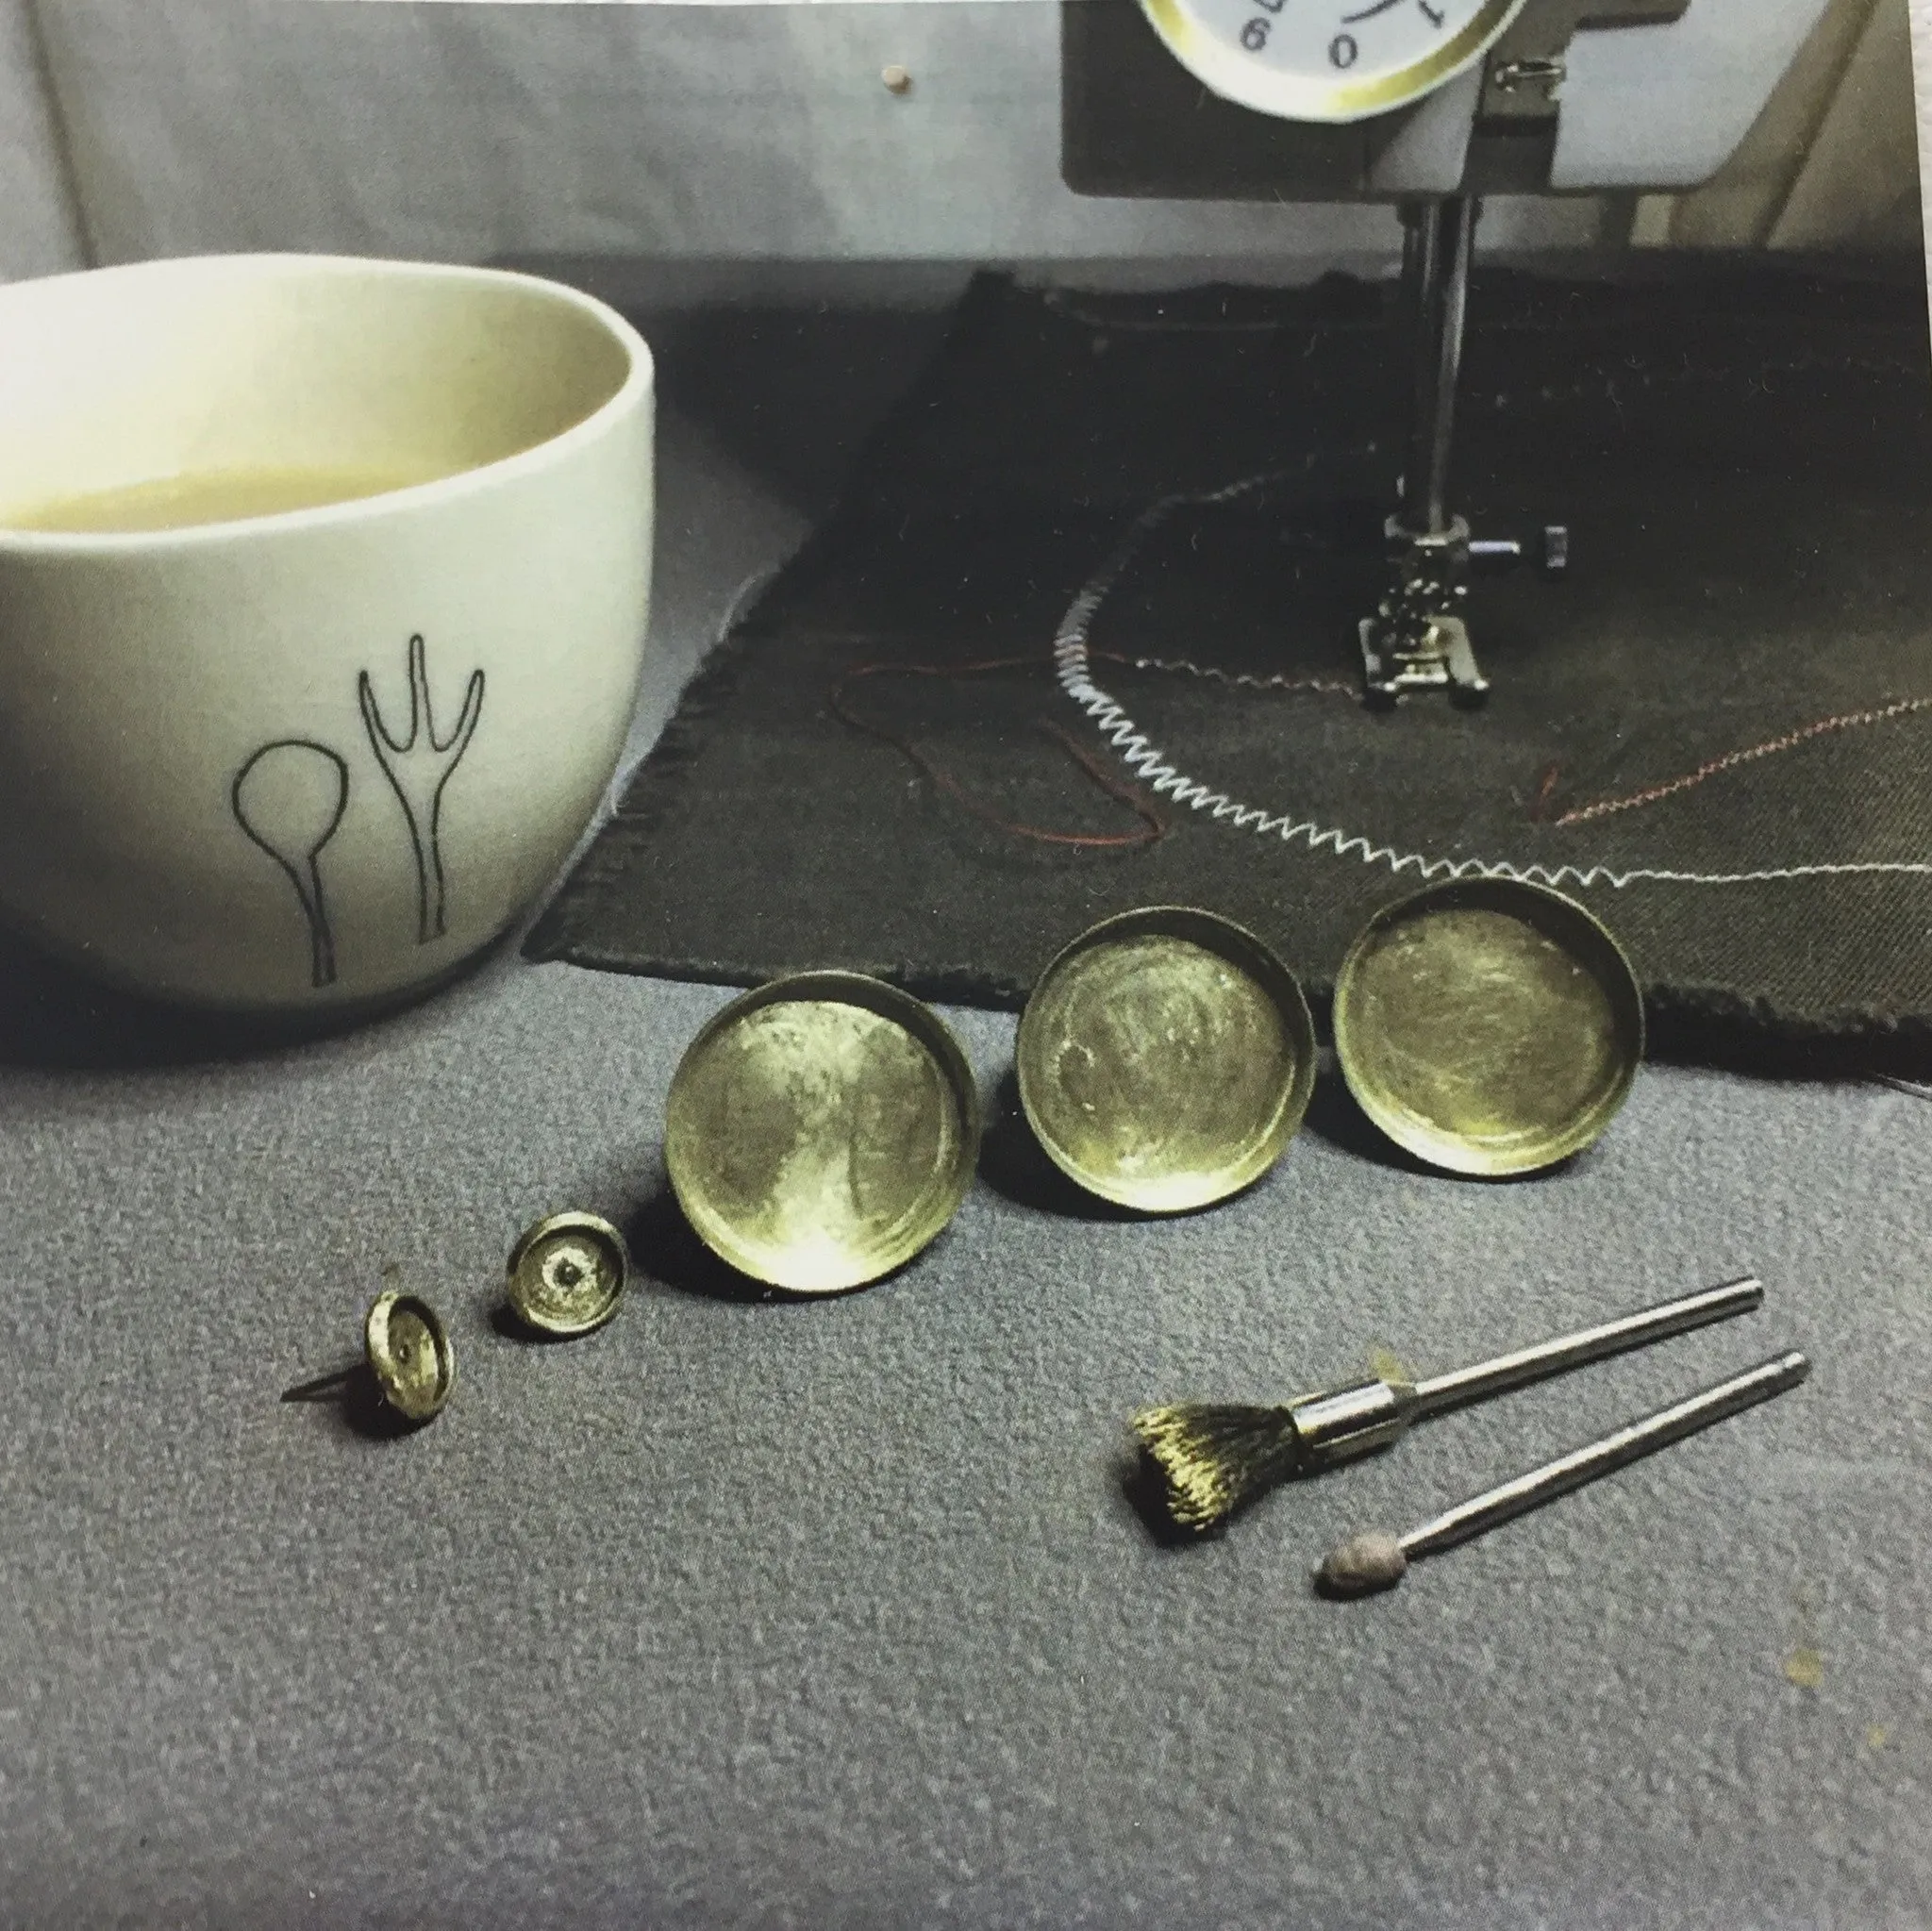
(417, 768)
(288, 798)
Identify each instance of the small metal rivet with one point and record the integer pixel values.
(409, 1355)
(568, 1272)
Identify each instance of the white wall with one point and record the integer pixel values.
(1921, 81)
(690, 135)
(40, 218)
(686, 132)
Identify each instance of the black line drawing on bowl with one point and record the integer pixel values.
(417, 768)
(288, 798)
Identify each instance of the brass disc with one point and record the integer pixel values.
(820, 1131)
(1165, 1059)
(409, 1355)
(1488, 1026)
(567, 1274)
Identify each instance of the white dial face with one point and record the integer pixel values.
(1328, 59)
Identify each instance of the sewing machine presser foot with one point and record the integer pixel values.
(1418, 639)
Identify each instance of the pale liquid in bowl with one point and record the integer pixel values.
(213, 496)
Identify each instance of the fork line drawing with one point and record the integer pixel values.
(418, 767)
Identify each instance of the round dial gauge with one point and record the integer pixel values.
(1328, 59)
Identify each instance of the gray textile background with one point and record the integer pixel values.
(835, 1614)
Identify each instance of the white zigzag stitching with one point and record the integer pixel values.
(1073, 668)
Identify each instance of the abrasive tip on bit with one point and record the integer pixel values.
(1375, 1560)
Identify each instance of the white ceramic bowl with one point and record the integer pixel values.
(316, 756)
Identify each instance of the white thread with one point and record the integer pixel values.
(1074, 668)
(1246, 680)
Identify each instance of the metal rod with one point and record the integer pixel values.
(324, 1385)
(1343, 1422)
(1436, 254)
(1581, 1465)
(1463, 1385)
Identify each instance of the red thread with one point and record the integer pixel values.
(1153, 827)
(1540, 804)
(1847, 720)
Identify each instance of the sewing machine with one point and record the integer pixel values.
(1431, 104)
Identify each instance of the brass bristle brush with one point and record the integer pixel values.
(1215, 1460)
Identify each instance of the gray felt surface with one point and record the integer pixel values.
(750, 1613)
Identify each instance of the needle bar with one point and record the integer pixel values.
(1463, 1385)
(1581, 1465)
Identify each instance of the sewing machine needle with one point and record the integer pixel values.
(1375, 1560)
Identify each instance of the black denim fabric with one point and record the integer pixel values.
(1743, 457)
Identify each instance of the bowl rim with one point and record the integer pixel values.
(636, 388)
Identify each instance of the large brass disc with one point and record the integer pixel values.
(820, 1131)
(1165, 1059)
(1488, 1026)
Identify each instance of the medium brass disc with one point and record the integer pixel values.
(820, 1131)
(409, 1355)
(1165, 1059)
(567, 1274)
(1488, 1026)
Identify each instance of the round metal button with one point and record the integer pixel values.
(409, 1355)
(1488, 1026)
(821, 1130)
(1165, 1059)
(567, 1274)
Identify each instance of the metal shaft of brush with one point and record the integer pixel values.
(1464, 1385)
(1581, 1465)
(1357, 1420)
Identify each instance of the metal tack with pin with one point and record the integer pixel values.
(1216, 1458)
(566, 1275)
(1376, 1560)
(405, 1352)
